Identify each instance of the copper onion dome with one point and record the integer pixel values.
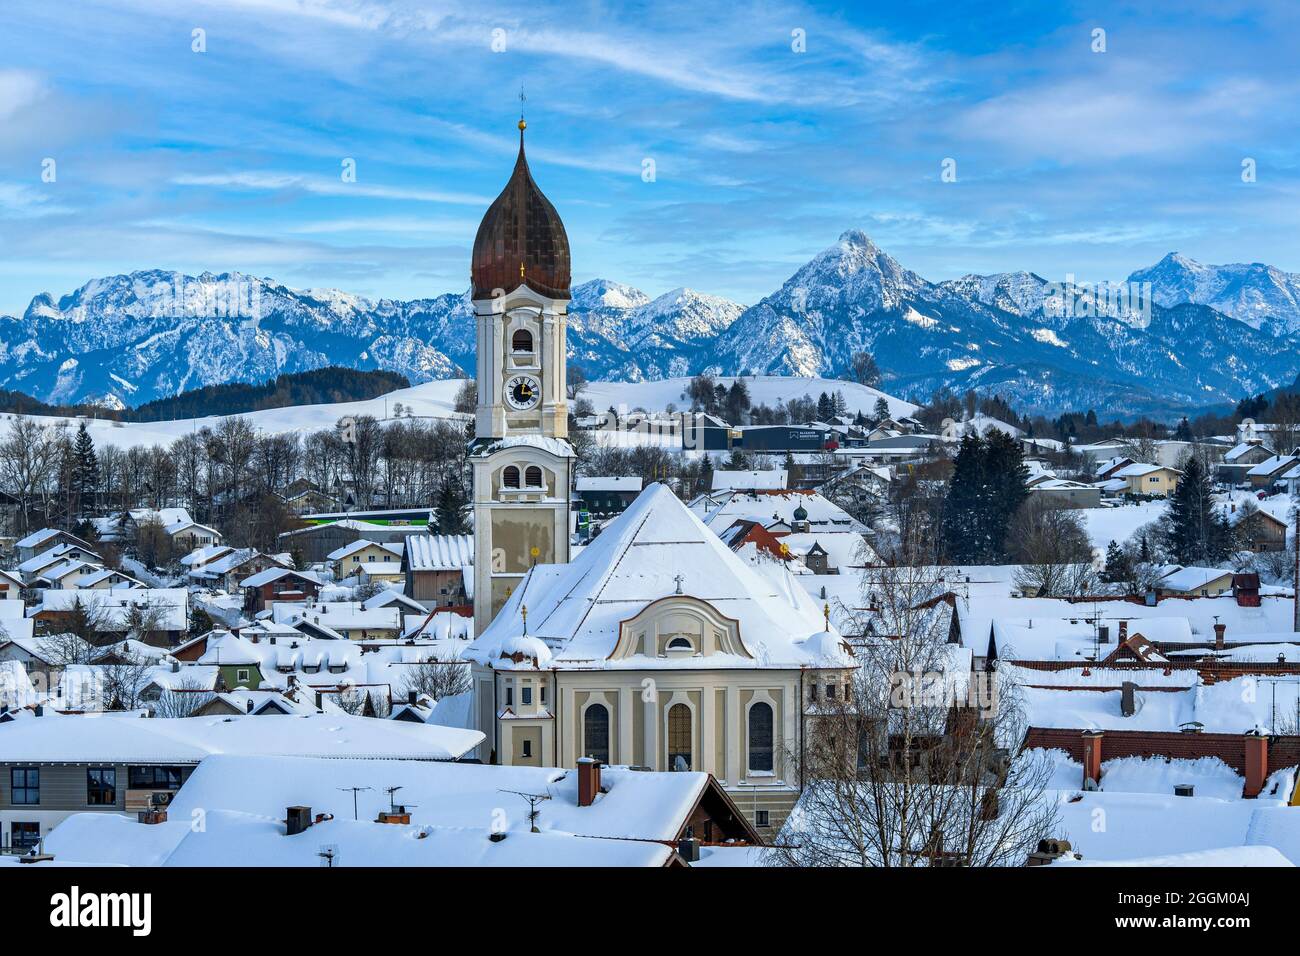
(521, 240)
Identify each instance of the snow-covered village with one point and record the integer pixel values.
(334, 538)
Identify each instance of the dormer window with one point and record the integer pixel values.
(510, 477)
(680, 644)
(533, 476)
(521, 341)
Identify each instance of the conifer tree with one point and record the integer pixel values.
(1197, 532)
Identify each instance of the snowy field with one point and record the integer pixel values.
(1105, 525)
(436, 399)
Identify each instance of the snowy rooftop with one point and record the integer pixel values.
(773, 479)
(576, 609)
(439, 552)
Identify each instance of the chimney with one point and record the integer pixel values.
(296, 820)
(319, 701)
(1123, 631)
(688, 848)
(410, 697)
(39, 710)
(249, 705)
(588, 780)
(1219, 630)
(399, 814)
(1256, 764)
(152, 816)
(1128, 698)
(1091, 759)
(176, 666)
(1048, 851)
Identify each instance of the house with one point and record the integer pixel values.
(1158, 481)
(776, 479)
(278, 584)
(314, 543)
(439, 569)
(283, 811)
(1262, 525)
(238, 663)
(162, 612)
(1239, 459)
(1270, 470)
(186, 535)
(1063, 493)
(106, 579)
(61, 553)
(341, 620)
(1107, 469)
(383, 573)
(225, 571)
(1175, 579)
(606, 496)
(349, 559)
(733, 649)
(11, 586)
(53, 766)
(42, 541)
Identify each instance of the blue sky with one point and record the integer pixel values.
(1067, 160)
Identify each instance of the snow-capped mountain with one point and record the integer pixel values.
(1039, 345)
(1259, 295)
(1207, 335)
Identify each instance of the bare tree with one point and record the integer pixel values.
(916, 768)
(438, 678)
(29, 458)
(183, 699)
(1053, 550)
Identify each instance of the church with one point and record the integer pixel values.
(656, 646)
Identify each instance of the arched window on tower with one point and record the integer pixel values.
(510, 477)
(533, 477)
(679, 737)
(595, 733)
(521, 341)
(760, 738)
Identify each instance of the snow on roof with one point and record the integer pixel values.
(1138, 469)
(38, 537)
(556, 446)
(339, 615)
(845, 549)
(1242, 448)
(170, 604)
(275, 574)
(1179, 578)
(204, 554)
(774, 479)
(576, 609)
(228, 649)
(1274, 463)
(361, 544)
(114, 738)
(439, 552)
(51, 556)
(609, 483)
(721, 510)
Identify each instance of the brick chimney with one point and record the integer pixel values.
(588, 780)
(1219, 630)
(1123, 631)
(1091, 757)
(1256, 764)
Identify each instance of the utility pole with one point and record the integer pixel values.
(1295, 580)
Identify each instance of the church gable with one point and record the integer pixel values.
(679, 626)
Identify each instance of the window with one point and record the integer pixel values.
(761, 818)
(830, 691)
(679, 737)
(760, 738)
(153, 778)
(521, 341)
(543, 692)
(595, 733)
(24, 836)
(528, 747)
(510, 477)
(525, 694)
(533, 477)
(242, 675)
(510, 695)
(25, 783)
(101, 787)
(679, 644)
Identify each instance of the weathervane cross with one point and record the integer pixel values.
(679, 578)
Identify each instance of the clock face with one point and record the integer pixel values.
(523, 392)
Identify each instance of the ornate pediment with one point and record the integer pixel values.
(679, 626)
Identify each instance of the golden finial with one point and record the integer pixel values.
(522, 125)
(523, 610)
(521, 269)
(522, 100)
(826, 613)
(534, 551)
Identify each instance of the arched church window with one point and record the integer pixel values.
(510, 477)
(521, 341)
(760, 738)
(533, 476)
(679, 737)
(595, 733)
(679, 644)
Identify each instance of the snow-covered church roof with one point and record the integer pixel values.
(656, 549)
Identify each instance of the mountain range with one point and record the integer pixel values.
(1179, 335)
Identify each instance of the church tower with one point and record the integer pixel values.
(521, 457)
